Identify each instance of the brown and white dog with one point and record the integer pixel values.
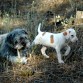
(57, 41)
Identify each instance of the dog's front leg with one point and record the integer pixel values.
(43, 49)
(67, 50)
(59, 55)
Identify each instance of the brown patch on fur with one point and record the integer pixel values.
(43, 33)
(51, 39)
(65, 33)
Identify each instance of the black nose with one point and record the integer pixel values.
(23, 43)
(76, 41)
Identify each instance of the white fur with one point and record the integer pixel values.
(16, 59)
(59, 41)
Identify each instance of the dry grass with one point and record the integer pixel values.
(39, 69)
(42, 70)
(9, 22)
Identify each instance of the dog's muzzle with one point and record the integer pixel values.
(74, 39)
(22, 45)
(22, 42)
(25, 42)
(18, 46)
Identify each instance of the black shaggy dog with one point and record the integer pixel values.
(14, 42)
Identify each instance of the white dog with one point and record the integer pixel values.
(57, 41)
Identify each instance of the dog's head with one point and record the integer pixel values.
(70, 34)
(18, 39)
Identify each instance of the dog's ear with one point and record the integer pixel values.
(9, 38)
(65, 33)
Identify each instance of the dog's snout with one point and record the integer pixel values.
(76, 40)
(23, 43)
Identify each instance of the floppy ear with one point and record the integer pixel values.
(65, 33)
(9, 39)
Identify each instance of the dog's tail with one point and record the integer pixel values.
(39, 28)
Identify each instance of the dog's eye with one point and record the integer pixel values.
(72, 36)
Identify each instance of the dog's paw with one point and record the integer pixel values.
(66, 53)
(61, 61)
(46, 56)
